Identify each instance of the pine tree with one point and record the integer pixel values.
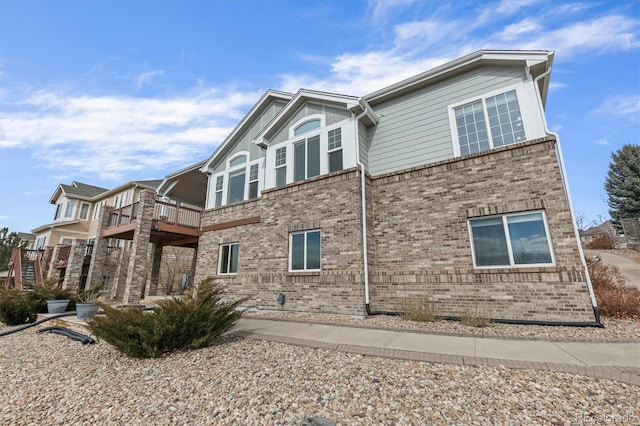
(623, 184)
(8, 241)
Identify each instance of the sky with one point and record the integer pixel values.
(109, 91)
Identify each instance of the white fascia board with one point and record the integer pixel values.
(269, 95)
(300, 98)
(470, 60)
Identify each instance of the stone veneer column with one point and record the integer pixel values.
(74, 264)
(53, 272)
(194, 263)
(100, 246)
(139, 262)
(152, 289)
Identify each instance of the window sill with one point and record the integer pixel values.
(303, 273)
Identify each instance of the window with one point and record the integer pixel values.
(238, 160)
(253, 180)
(511, 240)
(58, 211)
(235, 191)
(335, 150)
(219, 186)
(281, 166)
(306, 158)
(229, 258)
(40, 242)
(306, 127)
(68, 213)
(98, 208)
(502, 112)
(305, 251)
(84, 211)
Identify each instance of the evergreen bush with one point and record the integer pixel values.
(191, 322)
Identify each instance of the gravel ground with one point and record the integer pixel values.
(614, 330)
(49, 379)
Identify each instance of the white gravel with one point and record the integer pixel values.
(48, 379)
(614, 330)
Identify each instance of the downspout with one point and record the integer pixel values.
(363, 200)
(565, 184)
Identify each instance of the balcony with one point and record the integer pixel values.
(170, 223)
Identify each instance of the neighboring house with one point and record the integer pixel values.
(74, 208)
(446, 186)
(605, 234)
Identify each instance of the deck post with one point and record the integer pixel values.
(139, 257)
(74, 264)
(100, 246)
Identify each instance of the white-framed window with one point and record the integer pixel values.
(98, 207)
(488, 122)
(68, 213)
(84, 211)
(304, 251)
(306, 158)
(235, 186)
(228, 259)
(253, 180)
(518, 239)
(218, 191)
(307, 127)
(58, 211)
(238, 182)
(40, 242)
(334, 149)
(281, 166)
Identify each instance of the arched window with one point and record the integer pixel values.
(241, 159)
(306, 127)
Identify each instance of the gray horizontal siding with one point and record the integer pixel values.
(414, 129)
(363, 141)
(245, 141)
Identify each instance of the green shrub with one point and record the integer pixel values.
(23, 306)
(16, 307)
(177, 324)
(614, 298)
(421, 309)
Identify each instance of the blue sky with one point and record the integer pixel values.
(104, 92)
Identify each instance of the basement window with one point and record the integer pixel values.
(520, 239)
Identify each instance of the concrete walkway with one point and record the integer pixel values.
(629, 269)
(617, 361)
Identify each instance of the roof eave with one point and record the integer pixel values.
(469, 61)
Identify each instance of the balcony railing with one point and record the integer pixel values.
(123, 215)
(172, 214)
(177, 215)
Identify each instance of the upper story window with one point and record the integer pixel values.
(238, 160)
(307, 127)
(281, 166)
(306, 158)
(68, 213)
(58, 211)
(239, 181)
(84, 211)
(40, 242)
(218, 192)
(501, 112)
(334, 149)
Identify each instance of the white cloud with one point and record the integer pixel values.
(509, 7)
(380, 8)
(146, 77)
(626, 106)
(113, 135)
(602, 142)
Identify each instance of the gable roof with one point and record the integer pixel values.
(295, 103)
(77, 190)
(538, 61)
(244, 124)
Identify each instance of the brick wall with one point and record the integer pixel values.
(420, 243)
(330, 203)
